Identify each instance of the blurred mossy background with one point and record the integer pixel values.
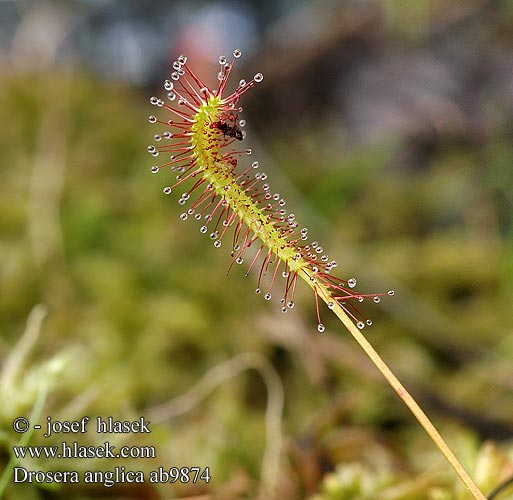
(387, 126)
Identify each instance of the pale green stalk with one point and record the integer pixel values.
(398, 387)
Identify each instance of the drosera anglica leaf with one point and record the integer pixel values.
(199, 141)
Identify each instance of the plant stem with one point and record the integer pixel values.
(402, 393)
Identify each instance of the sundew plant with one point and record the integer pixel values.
(199, 138)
